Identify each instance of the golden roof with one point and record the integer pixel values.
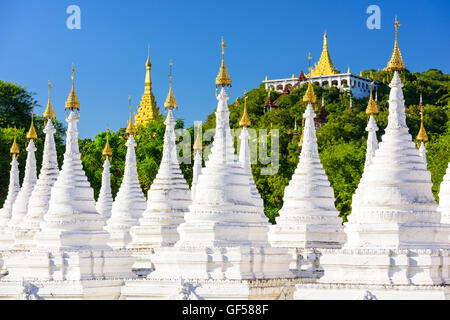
(396, 62)
(371, 106)
(422, 136)
(223, 78)
(131, 128)
(325, 65)
(245, 120)
(107, 151)
(49, 112)
(147, 110)
(14, 148)
(32, 132)
(171, 102)
(72, 100)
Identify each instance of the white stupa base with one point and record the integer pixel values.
(119, 236)
(6, 238)
(24, 239)
(305, 263)
(298, 235)
(310, 291)
(156, 234)
(58, 290)
(68, 240)
(142, 265)
(201, 289)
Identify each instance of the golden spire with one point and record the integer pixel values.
(309, 94)
(265, 79)
(147, 110)
(396, 63)
(170, 100)
(107, 151)
(348, 70)
(325, 65)
(131, 129)
(422, 136)
(245, 120)
(198, 140)
(49, 112)
(223, 78)
(371, 106)
(32, 132)
(14, 148)
(72, 100)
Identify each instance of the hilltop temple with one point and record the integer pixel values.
(213, 240)
(325, 75)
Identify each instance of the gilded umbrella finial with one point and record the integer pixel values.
(32, 132)
(371, 106)
(309, 96)
(223, 78)
(107, 151)
(171, 102)
(72, 102)
(14, 151)
(396, 62)
(422, 136)
(49, 112)
(131, 129)
(245, 120)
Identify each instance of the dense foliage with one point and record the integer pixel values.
(341, 140)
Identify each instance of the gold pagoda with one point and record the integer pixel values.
(325, 65)
(396, 62)
(147, 110)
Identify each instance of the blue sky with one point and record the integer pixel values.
(269, 38)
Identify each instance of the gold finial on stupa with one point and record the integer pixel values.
(14, 151)
(170, 100)
(325, 65)
(131, 128)
(396, 62)
(107, 151)
(72, 102)
(198, 140)
(348, 70)
(32, 132)
(245, 120)
(309, 94)
(223, 78)
(49, 112)
(422, 136)
(371, 106)
(265, 79)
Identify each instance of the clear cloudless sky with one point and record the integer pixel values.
(270, 38)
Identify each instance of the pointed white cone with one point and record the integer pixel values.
(40, 197)
(196, 171)
(6, 237)
(105, 200)
(72, 222)
(129, 203)
(393, 206)
(423, 152)
(169, 198)
(20, 206)
(244, 160)
(444, 198)
(372, 141)
(308, 218)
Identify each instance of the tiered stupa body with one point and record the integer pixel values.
(372, 128)
(6, 236)
(223, 248)
(40, 197)
(71, 259)
(130, 202)
(20, 206)
(169, 198)
(308, 218)
(444, 198)
(105, 201)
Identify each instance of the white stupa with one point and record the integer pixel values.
(444, 198)
(372, 128)
(396, 246)
(244, 156)
(130, 202)
(197, 167)
(40, 197)
(20, 206)
(71, 259)
(6, 236)
(422, 135)
(308, 218)
(223, 251)
(105, 201)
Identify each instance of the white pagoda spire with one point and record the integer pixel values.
(372, 141)
(20, 206)
(423, 152)
(130, 202)
(169, 196)
(244, 155)
(40, 197)
(444, 198)
(6, 237)
(105, 200)
(197, 167)
(393, 206)
(308, 218)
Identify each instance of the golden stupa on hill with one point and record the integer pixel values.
(325, 65)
